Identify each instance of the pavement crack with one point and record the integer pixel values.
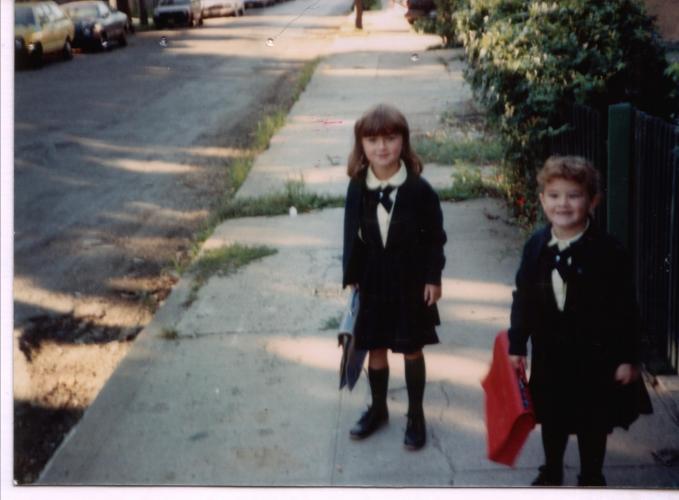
(198, 335)
(335, 467)
(446, 396)
(436, 441)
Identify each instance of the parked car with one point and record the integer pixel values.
(420, 8)
(41, 29)
(96, 24)
(259, 3)
(178, 13)
(220, 8)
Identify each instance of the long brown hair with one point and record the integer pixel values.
(383, 119)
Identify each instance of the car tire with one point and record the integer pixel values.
(122, 39)
(36, 57)
(67, 50)
(103, 42)
(200, 21)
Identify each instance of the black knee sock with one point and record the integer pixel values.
(415, 379)
(592, 448)
(554, 441)
(379, 382)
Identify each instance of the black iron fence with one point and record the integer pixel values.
(643, 200)
(655, 232)
(586, 136)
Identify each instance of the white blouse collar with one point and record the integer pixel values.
(565, 243)
(395, 180)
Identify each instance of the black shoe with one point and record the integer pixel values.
(416, 433)
(369, 422)
(593, 480)
(548, 478)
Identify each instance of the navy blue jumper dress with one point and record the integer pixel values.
(392, 312)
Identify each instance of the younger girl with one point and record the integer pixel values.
(393, 255)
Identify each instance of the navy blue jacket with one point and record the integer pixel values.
(575, 352)
(391, 279)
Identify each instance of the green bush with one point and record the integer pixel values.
(443, 24)
(527, 60)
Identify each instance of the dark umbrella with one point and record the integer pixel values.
(352, 358)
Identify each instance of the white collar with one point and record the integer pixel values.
(395, 180)
(565, 243)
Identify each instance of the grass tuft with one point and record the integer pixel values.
(444, 149)
(332, 323)
(294, 195)
(223, 261)
(169, 333)
(468, 183)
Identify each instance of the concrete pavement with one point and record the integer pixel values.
(246, 395)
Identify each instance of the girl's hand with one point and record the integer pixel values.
(626, 373)
(432, 293)
(517, 361)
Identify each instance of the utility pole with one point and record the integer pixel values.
(143, 14)
(359, 14)
(124, 7)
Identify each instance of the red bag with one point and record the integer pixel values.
(509, 409)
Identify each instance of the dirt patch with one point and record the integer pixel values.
(62, 360)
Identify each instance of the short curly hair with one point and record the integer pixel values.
(572, 168)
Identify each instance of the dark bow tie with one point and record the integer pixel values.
(383, 197)
(562, 261)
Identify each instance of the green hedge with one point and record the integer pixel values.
(528, 59)
(443, 24)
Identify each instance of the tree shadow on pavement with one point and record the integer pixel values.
(33, 449)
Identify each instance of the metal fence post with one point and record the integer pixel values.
(619, 171)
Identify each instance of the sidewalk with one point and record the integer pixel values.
(247, 394)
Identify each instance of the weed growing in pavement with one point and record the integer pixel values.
(169, 333)
(469, 183)
(444, 149)
(223, 261)
(294, 195)
(266, 128)
(305, 77)
(238, 171)
(332, 323)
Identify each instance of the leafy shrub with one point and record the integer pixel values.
(527, 60)
(372, 4)
(443, 24)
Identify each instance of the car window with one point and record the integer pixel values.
(103, 9)
(55, 12)
(41, 13)
(82, 11)
(174, 2)
(23, 16)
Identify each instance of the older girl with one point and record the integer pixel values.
(393, 255)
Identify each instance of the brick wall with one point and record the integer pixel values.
(667, 14)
